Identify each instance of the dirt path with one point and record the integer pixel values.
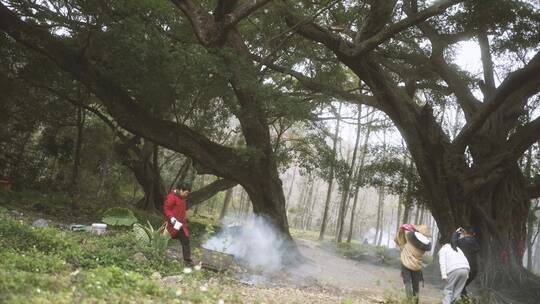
(356, 279)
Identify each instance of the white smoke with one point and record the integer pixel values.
(387, 238)
(255, 244)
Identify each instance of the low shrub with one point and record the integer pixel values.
(22, 236)
(157, 239)
(47, 265)
(118, 216)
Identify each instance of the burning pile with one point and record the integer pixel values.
(255, 245)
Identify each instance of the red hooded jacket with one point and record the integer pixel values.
(176, 207)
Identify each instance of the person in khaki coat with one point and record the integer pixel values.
(413, 242)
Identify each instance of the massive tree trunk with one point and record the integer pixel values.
(257, 173)
(260, 178)
(449, 183)
(491, 192)
(140, 160)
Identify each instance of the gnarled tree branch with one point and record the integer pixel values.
(204, 25)
(312, 31)
(197, 197)
(412, 19)
(120, 104)
(439, 42)
(487, 63)
(528, 77)
(242, 11)
(380, 13)
(523, 138)
(320, 87)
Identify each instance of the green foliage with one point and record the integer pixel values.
(468, 300)
(21, 236)
(34, 260)
(382, 254)
(365, 252)
(314, 155)
(157, 239)
(47, 265)
(305, 234)
(101, 281)
(352, 250)
(118, 216)
(347, 301)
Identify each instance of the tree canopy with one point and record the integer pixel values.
(184, 74)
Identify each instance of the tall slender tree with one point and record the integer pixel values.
(331, 178)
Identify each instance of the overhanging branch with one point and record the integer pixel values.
(412, 19)
(380, 13)
(321, 87)
(206, 192)
(437, 62)
(132, 117)
(243, 11)
(203, 23)
(523, 138)
(308, 29)
(527, 77)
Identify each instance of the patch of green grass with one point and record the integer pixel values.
(22, 236)
(351, 250)
(347, 301)
(56, 206)
(305, 234)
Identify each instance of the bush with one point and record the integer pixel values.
(157, 239)
(118, 216)
(353, 250)
(22, 236)
(45, 265)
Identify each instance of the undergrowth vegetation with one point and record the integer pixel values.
(55, 265)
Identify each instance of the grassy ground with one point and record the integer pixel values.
(56, 265)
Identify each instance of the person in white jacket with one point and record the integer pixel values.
(454, 271)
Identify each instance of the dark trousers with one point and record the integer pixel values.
(472, 275)
(411, 280)
(186, 249)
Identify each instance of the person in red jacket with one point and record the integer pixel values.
(174, 210)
